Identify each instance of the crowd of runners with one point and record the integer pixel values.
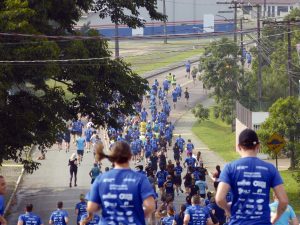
(168, 168)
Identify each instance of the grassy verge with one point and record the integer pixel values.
(292, 188)
(145, 63)
(218, 137)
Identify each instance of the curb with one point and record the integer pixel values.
(169, 68)
(13, 195)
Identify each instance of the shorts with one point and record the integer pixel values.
(176, 157)
(147, 154)
(203, 195)
(88, 140)
(188, 70)
(177, 180)
(160, 184)
(80, 152)
(174, 100)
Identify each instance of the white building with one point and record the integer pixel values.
(184, 16)
(269, 8)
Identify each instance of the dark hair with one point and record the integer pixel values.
(120, 153)
(29, 207)
(170, 210)
(182, 210)
(60, 205)
(218, 168)
(188, 200)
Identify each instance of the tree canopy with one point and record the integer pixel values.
(38, 97)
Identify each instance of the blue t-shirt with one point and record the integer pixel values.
(174, 95)
(287, 216)
(2, 203)
(161, 176)
(250, 180)
(189, 147)
(30, 219)
(168, 220)
(58, 217)
(178, 219)
(81, 207)
(144, 115)
(198, 215)
(191, 161)
(178, 170)
(120, 193)
(88, 134)
(77, 126)
(80, 143)
(202, 186)
(94, 221)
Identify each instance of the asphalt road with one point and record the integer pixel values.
(50, 184)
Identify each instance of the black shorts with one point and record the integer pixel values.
(188, 70)
(202, 195)
(177, 180)
(80, 152)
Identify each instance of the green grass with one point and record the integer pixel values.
(292, 188)
(218, 136)
(145, 63)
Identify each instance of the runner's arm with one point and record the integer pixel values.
(91, 208)
(210, 222)
(66, 219)
(3, 221)
(186, 219)
(282, 202)
(20, 222)
(222, 191)
(295, 221)
(149, 206)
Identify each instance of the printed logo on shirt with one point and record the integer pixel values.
(109, 196)
(244, 183)
(243, 191)
(260, 184)
(127, 197)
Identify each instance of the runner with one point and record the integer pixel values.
(197, 213)
(95, 172)
(77, 128)
(29, 218)
(135, 195)
(174, 97)
(178, 219)
(188, 69)
(80, 143)
(73, 169)
(216, 177)
(186, 96)
(59, 216)
(80, 208)
(67, 138)
(161, 179)
(173, 81)
(88, 134)
(2, 202)
(177, 178)
(250, 180)
(166, 86)
(168, 220)
(169, 188)
(189, 147)
(288, 217)
(194, 74)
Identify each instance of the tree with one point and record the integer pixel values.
(127, 12)
(284, 119)
(221, 73)
(200, 112)
(37, 98)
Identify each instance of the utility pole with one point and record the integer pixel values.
(259, 74)
(242, 46)
(289, 64)
(165, 22)
(265, 8)
(235, 7)
(117, 46)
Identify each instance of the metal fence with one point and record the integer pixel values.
(243, 114)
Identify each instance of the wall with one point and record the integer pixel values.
(239, 126)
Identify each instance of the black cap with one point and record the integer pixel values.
(248, 138)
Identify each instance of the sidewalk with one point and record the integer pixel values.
(184, 127)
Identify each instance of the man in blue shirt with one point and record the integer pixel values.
(288, 217)
(80, 208)
(80, 143)
(189, 147)
(250, 180)
(2, 203)
(190, 161)
(197, 214)
(188, 68)
(59, 216)
(144, 115)
(180, 142)
(174, 97)
(166, 86)
(29, 218)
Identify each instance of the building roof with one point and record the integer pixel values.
(279, 2)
